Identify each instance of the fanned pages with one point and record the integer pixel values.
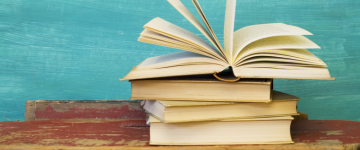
(176, 64)
(246, 35)
(229, 28)
(163, 27)
(274, 50)
(190, 17)
(148, 36)
(202, 15)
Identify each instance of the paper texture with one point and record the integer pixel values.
(277, 42)
(276, 96)
(202, 15)
(229, 28)
(161, 26)
(171, 57)
(246, 35)
(148, 36)
(152, 119)
(190, 17)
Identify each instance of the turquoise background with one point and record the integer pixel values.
(78, 49)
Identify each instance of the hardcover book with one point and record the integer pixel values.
(202, 88)
(282, 104)
(272, 130)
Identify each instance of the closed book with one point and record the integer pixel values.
(273, 130)
(202, 88)
(282, 104)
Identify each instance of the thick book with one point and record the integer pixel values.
(202, 88)
(274, 50)
(282, 104)
(272, 130)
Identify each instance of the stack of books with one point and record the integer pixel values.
(201, 110)
(192, 99)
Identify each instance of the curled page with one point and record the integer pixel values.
(246, 35)
(190, 17)
(166, 28)
(202, 15)
(229, 28)
(277, 42)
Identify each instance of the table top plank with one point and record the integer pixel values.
(103, 125)
(102, 134)
(327, 130)
(83, 109)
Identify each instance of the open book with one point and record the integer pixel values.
(273, 50)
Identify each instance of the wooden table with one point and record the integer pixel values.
(90, 128)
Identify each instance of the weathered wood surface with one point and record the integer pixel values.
(71, 109)
(121, 125)
(134, 134)
(113, 125)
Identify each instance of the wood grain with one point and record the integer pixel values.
(30, 107)
(92, 125)
(134, 134)
(80, 110)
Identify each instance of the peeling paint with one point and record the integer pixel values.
(340, 132)
(93, 142)
(329, 142)
(137, 143)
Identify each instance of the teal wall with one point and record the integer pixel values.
(78, 49)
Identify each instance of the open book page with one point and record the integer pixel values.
(166, 28)
(190, 17)
(277, 65)
(298, 53)
(148, 36)
(176, 70)
(246, 35)
(175, 64)
(282, 59)
(182, 58)
(277, 42)
(154, 35)
(229, 28)
(202, 15)
(287, 54)
(168, 44)
(282, 71)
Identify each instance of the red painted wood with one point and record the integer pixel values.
(307, 131)
(89, 113)
(136, 132)
(72, 133)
